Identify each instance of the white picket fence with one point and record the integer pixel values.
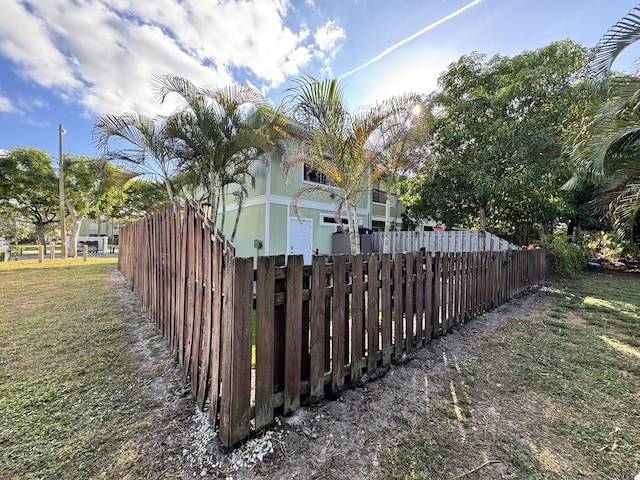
(449, 241)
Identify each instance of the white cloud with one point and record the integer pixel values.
(328, 36)
(103, 54)
(328, 40)
(29, 104)
(6, 105)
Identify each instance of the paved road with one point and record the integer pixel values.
(34, 256)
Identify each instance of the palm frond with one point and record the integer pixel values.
(624, 33)
(625, 211)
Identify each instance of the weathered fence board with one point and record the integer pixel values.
(293, 335)
(338, 324)
(319, 320)
(265, 329)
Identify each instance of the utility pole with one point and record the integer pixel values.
(63, 231)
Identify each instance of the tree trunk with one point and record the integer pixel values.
(213, 197)
(167, 185)
(40, 233)
(223, 203)
(75, 232)
(354, 237)
(239, 211)
(386, 237)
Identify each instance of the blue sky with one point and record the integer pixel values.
(69, 61)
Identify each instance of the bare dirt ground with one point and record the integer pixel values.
(337, 439)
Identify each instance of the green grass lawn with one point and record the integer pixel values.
(562, 388)
(70, 388)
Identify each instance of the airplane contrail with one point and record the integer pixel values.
(415, 35)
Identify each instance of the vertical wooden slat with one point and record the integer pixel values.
(207, 318)
(373, 313)
(398, 305)
(357, 317)
(293, 334)
(182, 298)
(467, 286)
(216, 325)
(318, 330)
(419, 299)
(451, 292)
(338, 325)
(236, 364)
(408, 303)
(190, 294)
(265, 299)
(279, 332)
(428, 298)
(305, 354)
(387, 340)
(175, 293)
(458, 289)
(444, 293)
(437, 294)
(197, 308)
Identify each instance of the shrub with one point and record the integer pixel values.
(566, 259)
(609, 246)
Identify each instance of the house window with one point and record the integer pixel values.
(315, 176)
(326, 219)
(378, 196)
(329, 220)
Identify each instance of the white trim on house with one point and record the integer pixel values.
(283, 200)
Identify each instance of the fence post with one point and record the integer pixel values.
(385, 278)
(236, 350)
(357, 317)
(293, 334)
(339, 323)
(265, 325)
(373, 314)
(398, 298)
(318, 320)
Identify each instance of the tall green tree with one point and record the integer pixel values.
(498, 142)
(29, 188)
(606, 151)
(139, 198)
(338, 145)
(92, 185)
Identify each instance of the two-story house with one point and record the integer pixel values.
(269, 226)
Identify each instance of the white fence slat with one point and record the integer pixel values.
(448, 241)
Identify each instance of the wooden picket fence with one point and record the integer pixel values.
(256, 343)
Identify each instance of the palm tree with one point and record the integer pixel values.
(403, 146)
(606, 150)
(334, 143)
(151, 153)
(221, 132)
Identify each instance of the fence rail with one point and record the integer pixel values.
(447, 241)
(258, 342)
